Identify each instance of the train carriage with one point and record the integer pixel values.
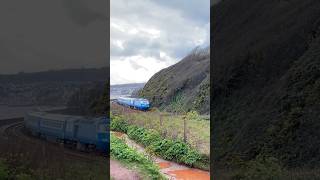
(136, 103)
(84, 133)
(32, 123)
(52, 127)
(69, 130)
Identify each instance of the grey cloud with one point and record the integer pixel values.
(161, 26)
(137, 66)
(40, 35)
(137, 45)
(197, 10)
(80, 13)
(174, 19)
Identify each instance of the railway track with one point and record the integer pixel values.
(15, 129)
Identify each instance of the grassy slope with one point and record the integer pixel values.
(15, 167)
(198, 129)
(160, 141)
(266, 89)
(90, 100)
(188, 79)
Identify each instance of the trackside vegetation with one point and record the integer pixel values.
(4, 172)
(13, 168)
(122, 152)
(172, 150)
(196, 131)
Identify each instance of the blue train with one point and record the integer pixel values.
(77, 131)
(136, 103)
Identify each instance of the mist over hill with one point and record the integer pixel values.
(266, 81)
(182, 86)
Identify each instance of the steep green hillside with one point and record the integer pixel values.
(266, 81)
(183, 86)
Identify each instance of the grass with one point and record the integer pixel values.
(19, 169)
(4, 172)
(265, 168)
(197, 128)
(23, 160)
(172, 150)
(291, 174)
(131, 158)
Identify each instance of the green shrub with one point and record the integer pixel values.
(168, 149)
(4, 173)
(263, 168)
(136, 133)
(175, 150)
(151, 137)
(24, 176)
(191, 157)
(118, 124)
(194, 115)
(160, 147)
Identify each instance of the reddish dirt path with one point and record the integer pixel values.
(171, 170)
(118, 172)
(189, 174)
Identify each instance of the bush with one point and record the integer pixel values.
(263, 168)
(160, 147)
(151, 137)
(153, 142)
(177, 151)
(4, 173)
(118, 124)
(191, 157)
(193, 115)
(136, 133)
(24, 176)
(168, 149)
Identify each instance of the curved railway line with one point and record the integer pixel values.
(14, 128)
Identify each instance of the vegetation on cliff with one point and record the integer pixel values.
(266, 82)
(185, 83)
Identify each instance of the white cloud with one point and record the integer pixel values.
(149, 35)
(136, 69)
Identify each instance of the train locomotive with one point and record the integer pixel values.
(79, 132)
(135, 103)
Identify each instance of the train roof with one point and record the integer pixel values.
(62, 117)
(52, 116)
(128, 98)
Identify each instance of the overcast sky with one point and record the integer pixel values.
(39, 35)
(149, 35)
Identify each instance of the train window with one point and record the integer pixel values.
(51, 124)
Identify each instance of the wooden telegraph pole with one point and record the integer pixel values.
(184, 129)
(161, 120)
